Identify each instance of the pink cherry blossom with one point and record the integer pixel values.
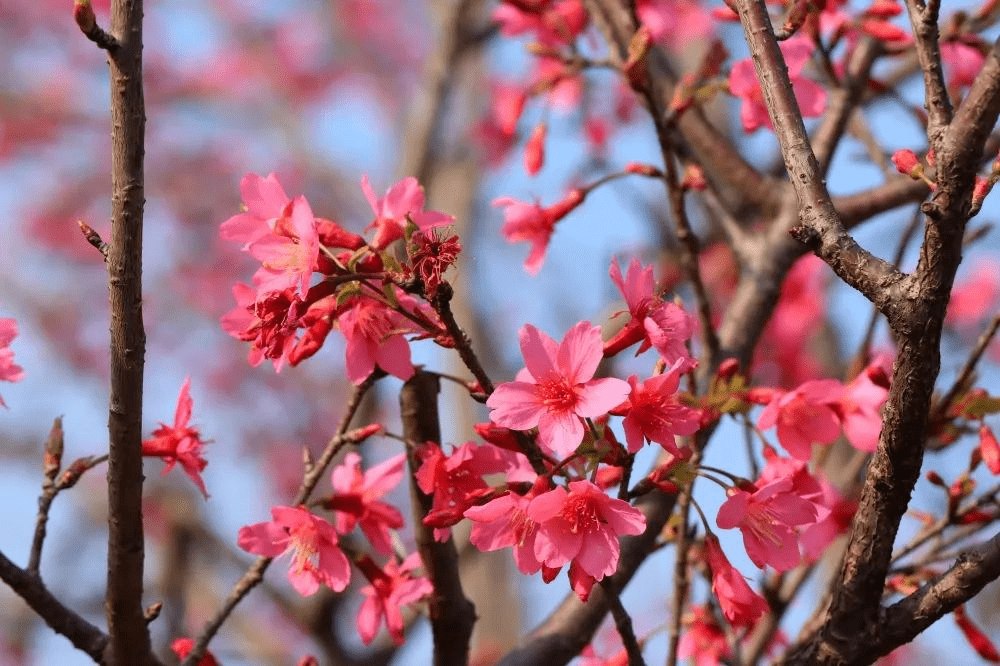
(839, 512)
(558, 389)
(265, 202)
(392, 587)
(179, 443)
(182, 647)
(703, 640)
(403, 201)
(9, 371)
(989, 449)
(288, 253)
(534, 150)
(743, 83)
(804, 416)
(355, 499)
(270, 323)
(524, 222)
(316, 557)
(675, 22)
(374, 335)
(860, 405)
(962, 62)
(741, 605)
(553, 22)
(502, 523)
(652, 411)
(583, 526)
(456, 481)
(767, 518)
(664, 326)
(974, 298)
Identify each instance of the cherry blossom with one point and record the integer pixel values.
(860, 404)
(582, 525)
(664, 326)
(767, 518)
(553, 22)
(974, 298)
(558, 389)
(9, 371)
(804, 415)
(265, 201)
(502, 523)
(355, 499)
(839, 512)
(534, 150)
(403, 201)
(703, 641)
(743, 83)
(270, 323)
(497, 131)
(652, 411)
(524, 222)
(392, 587)
(374, 335)
(675, 22)
(989, 449)
(316, 557)
(962, 61)
(741, 605)
(182, 647)
(289, 252)
(179, 443)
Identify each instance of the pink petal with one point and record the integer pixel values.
(599, 396)
(268, 539)
(560, 432)
(404, 197)
(369, 616)
(580, 351)
(539, 351)
(516, 405)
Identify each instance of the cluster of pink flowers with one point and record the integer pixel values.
(9, 371)
(293, 245)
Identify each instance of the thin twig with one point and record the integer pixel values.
(623, 623)
(961, 383)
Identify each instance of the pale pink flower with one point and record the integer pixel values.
(9, 371)
(392, 587)
(583, 526)
(289, 252)
(741, 605)
(860, 405)
(767, 518)
(743, 84)
(652, 411)
(524, 222)
(316, 557)
(403, 201)
(179, 443)
(558, 389)
(265, 202)
(664, 326)
(374, 335)
(355, 499)
(976, 297)
(502, 523)
(804, 416)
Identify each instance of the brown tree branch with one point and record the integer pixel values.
(924, 20)
(452, 615)
(127, 628)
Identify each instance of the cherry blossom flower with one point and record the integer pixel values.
(265, 201)
(583, 526)
(316, 557)
(703, 640)
(9, 371)
(534, 150)
(179, 443)
(989, 448)
(675, 23)
(979, 641)
(502, 523)
(553, 22)
(743, 84)
(839, 512)
(652, 411)
(374, 335)
(534, 224)
(664, 326)
(860, 404)
(804, 415)
(288, 253)
(975, 297)
(741, 605)
(403, 201)
(355, 499)
(498, 129)
(430, 255)
(270, 323)
(962, 62)
(455, 481)
(392, 587)
(182, 648)
(558, 389)
(767, 518)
